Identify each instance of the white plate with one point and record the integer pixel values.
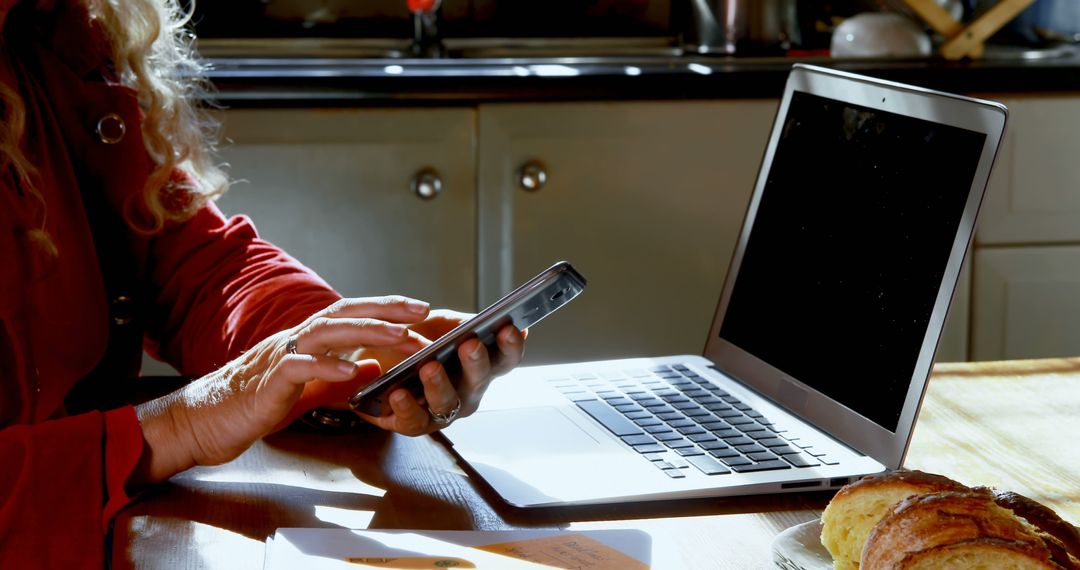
(800, 548)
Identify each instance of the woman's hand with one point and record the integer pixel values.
(215, 418)
(479, 367)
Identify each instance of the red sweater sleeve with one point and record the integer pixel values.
(220, 289)
(54, 483)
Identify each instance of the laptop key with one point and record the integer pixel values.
(649, 448)
(668, 436)
(726, 433)
(697, 413)
(716, 425)
(580, 396)
(738, 440)
(761, 466)
(783, 450)
(800, 461)
(690, 430)
(772, 442)
(689, 451)
(706, 419)
(763, 456)
(662, 456)
(678, 443)
(708, 465)
(670, 416)
(609, 418)
(738, 420)
(752, 448)
(758, 434)
(657, 429)
(701, 437)
(640, 418)
(674, 473)
(681, 422)
(736, 461)
(685, 406)
(724, 453)
(637, 439)
(711, 445)
(628, 408)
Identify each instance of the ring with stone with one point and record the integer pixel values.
(290, 345)
(443, 420)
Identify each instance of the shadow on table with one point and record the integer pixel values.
(427, 489)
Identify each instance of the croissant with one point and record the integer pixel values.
(916, 520)
(857, 507)
(955, 530)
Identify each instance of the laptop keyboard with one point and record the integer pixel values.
(676, 418)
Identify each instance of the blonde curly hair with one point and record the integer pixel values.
(153, 53)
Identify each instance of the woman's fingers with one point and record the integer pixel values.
(439, 393)
(406, 417)
(475, 374)
(326, 389)
(392, 308)
(325, 334)
(511, 343)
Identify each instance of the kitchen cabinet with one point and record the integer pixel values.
(338, 189)
(1027, 302)
(645, 199)
(1026, 282)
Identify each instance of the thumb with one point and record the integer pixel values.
(319, 393)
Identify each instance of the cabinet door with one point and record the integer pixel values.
(1026, 303)
(645, 199)
(334, 189)
(1032, 197)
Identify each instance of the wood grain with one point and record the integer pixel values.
(1006, 424)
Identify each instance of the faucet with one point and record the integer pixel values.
(426, 41)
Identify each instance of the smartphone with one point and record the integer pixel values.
(523, 307)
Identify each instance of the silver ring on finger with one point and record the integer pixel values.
(443, 420)
(290, 345)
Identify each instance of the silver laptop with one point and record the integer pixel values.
(825, 332)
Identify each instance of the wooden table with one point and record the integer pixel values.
(1011, 425)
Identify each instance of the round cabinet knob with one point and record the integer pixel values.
(532, 176)
(426, 184)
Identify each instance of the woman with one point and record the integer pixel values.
(110, 242)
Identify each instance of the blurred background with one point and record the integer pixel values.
(796, 24)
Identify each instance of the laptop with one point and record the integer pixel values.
(823, 338)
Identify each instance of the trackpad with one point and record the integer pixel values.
(533, 432)
(539, 456)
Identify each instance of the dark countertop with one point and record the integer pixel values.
(368, 81)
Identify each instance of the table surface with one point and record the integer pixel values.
(1009, 425)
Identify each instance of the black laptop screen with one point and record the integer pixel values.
(848, 249)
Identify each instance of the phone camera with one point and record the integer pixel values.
(559, 294)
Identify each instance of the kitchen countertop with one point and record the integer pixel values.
(342, 78)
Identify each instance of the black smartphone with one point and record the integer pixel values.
(523, 307)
